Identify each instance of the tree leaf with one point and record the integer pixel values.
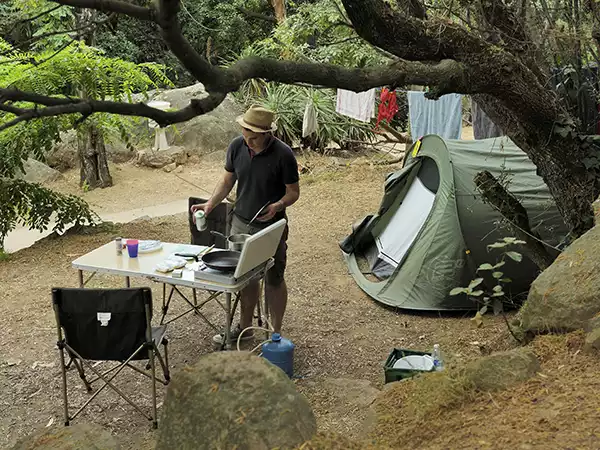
(515, 256)
(498, 294)
(509, 240)
(476, 293)
(506, 280)
(485, 266)
(498, 275)
(497, 288)
(457, 291)
(477, 320)
(498, 245)
(483, 310)
(500, 264)
(474, 283)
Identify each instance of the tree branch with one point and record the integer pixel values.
(450, 74)
(58, 33)
(507, 204)
(115, 6)
(256, 15)
(409, 37)
(60, 106)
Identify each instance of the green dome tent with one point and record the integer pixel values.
(432, 229)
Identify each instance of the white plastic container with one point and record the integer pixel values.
(200, 220)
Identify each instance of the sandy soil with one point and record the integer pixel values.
(342, 336)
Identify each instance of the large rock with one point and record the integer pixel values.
(74, 437)
(38, 172)
(161, 158)
(565, 296)
(206, 133)
(502, 370)
(234, 400)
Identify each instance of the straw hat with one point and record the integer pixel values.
(258, 119)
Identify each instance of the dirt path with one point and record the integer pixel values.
(157, 194)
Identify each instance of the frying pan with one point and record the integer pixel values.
(222, 260)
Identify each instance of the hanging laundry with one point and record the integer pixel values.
(483, 127)
(388, 106)
(359, 106)
(442, 117)
(309, 122)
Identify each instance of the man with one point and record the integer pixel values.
(266, 172)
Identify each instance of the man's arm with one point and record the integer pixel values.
(221, 191)
(292, 194)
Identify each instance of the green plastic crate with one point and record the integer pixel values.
(392, 374)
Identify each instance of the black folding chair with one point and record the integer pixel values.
(108, 325)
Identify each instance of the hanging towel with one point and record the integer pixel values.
(359, 106)
(309, 123)
(483, 127)
(442, 117)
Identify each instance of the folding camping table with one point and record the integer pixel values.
(106, 260)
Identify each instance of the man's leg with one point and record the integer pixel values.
(248, 301)
(277, 298)
(276, 288)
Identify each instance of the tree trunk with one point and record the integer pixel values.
(279, 7)
(92, 159)
(90, 142)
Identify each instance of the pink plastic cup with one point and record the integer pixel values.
(132, 247)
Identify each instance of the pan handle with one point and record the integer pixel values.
(216, 233)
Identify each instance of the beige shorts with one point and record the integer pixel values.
(275, 275)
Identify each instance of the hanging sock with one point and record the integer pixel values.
(388, 106)
(309, 122)
(358, 106)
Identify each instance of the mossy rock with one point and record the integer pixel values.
(501, 370)
(565, 297)
(74, 437)
(234, 400)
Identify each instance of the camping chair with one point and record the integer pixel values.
(108, 325)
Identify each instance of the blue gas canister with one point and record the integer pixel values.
(280, 352)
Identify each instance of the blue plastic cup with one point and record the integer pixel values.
(132, 247)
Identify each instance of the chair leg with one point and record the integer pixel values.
(162, 365)
(167, 373)
(64, 385)
(152, 366)
(79, 367)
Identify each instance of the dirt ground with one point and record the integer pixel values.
(342, 336)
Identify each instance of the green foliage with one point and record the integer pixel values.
(288, 103)
(76, 70)
(213, 27)
(316, 33)
(497, 276)
(36, 206)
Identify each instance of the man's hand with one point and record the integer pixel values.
(270, 211)
(206, 207)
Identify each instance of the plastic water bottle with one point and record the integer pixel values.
(438, 363)
(280, 352)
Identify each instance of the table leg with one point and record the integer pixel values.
(80, 272)
(127, 282)
(227, 320)
(195, 300)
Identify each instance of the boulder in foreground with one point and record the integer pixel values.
(234, 400)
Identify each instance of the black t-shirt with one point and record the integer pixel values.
(261, 177)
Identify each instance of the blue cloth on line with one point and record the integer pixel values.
(442, 117)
